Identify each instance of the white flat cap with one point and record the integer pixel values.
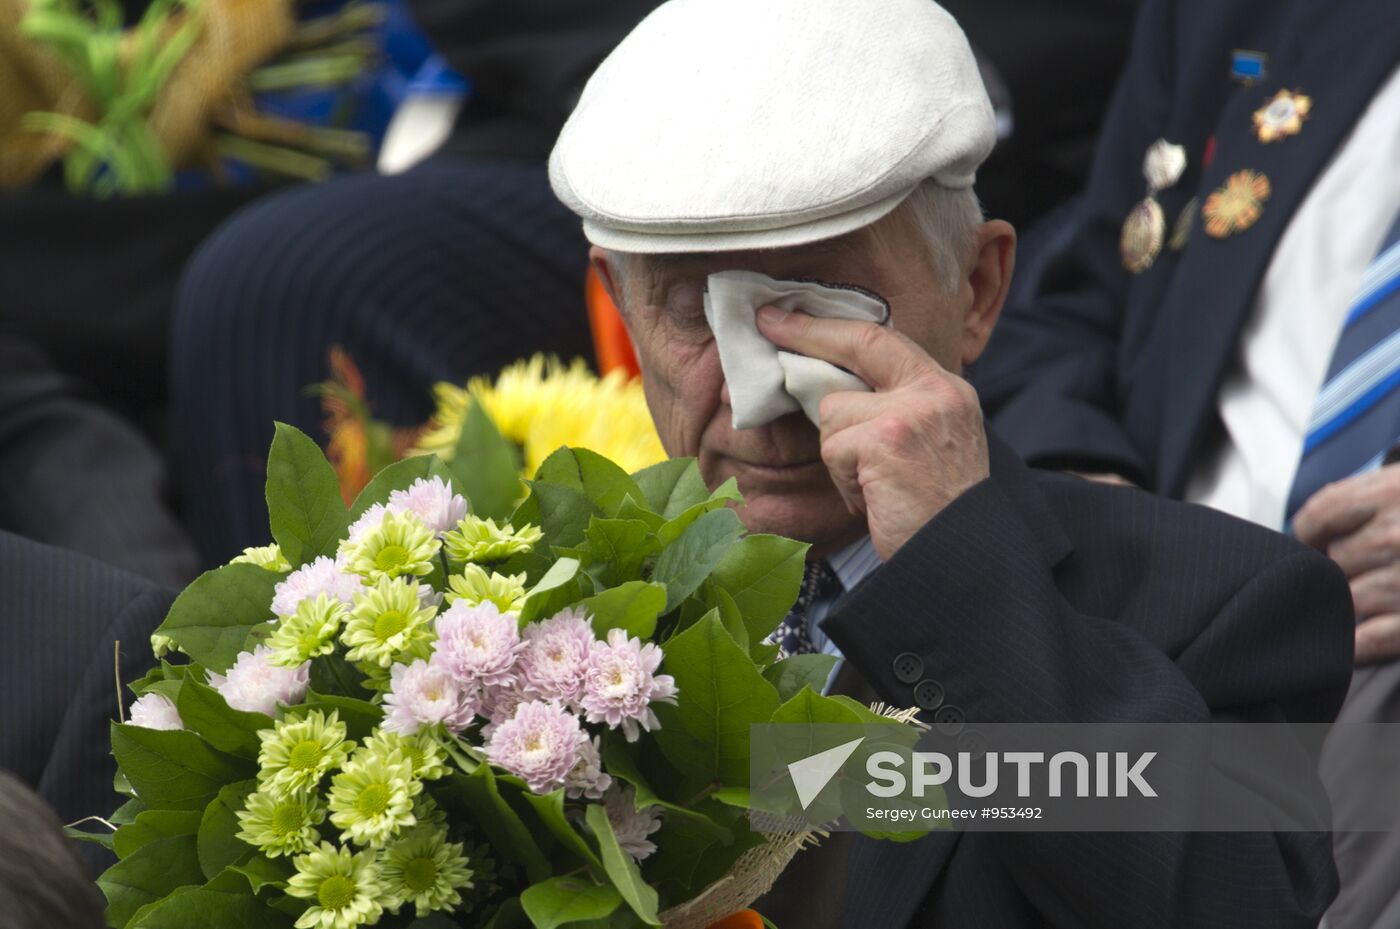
(734, 124)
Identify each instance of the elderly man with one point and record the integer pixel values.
(738, 164)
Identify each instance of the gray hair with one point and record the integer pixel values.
(946, 219)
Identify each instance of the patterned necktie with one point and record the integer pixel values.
(1356, 417)
(792, 635)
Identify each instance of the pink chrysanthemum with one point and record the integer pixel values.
(587, 778)
(422, 695)
(322, 576)
(498, 704)
(434, 502)
(255, 685)
(477, 644)
(540, 744)
(631, 825)
(152, 711)
(621, 683)
(555, 656)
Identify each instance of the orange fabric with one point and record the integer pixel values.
(744, 919)
(610, 339)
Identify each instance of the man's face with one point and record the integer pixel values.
(786, 487)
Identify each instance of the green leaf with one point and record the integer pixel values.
(724, 493)
(262, 872)
(562, 900)
(618, 760)
(673, 486)
(152, 825)
(217, 842)
(126, 814)
(730, 616)
(686, 562)
(149, 873)
(204, 710)
(763, 574)
(211, 619)
(810, 708)
(561, 512)
(633, 606)
(550, 808)
(622, 545)
(360, 716)
(332, 674)
(503, 827)
(485, 466)
(620, 867)
(174, 770)
(104, 839)
(209, 909)
(603, 483)
(557, 589)
(398, 476)
(722, 694)
(305, 511)
(797, 671)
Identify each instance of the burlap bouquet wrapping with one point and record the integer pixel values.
(235, 36)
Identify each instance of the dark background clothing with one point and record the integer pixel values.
(1037, 597)
(62, 613)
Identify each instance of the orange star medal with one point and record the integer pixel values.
(1282, 116)
(1145, 228)
(1236, 204)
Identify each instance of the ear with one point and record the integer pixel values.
(989, 277)
(608, 275)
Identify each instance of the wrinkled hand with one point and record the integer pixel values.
(898, 455)
(1356, 521)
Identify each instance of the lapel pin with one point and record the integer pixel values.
(1247, 66)
(1236, 205)
(1143, 230)
(1282, 116)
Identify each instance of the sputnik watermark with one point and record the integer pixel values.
(1115, 774)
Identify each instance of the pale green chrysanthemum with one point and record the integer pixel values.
(477, 585)
(281, 824)
(308, 632)
(386, 620)
(268, 556)
(424, 869)
(372, 798)
(345, 886)
(477, 539)
(427, 812)
(298, 751)
(399, 545)
(162, 645)
(422, 749)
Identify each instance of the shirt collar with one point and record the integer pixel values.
(854, 562)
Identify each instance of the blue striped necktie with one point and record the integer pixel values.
(1356, 417)
(793, 635)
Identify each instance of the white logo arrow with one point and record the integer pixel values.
(814, 772)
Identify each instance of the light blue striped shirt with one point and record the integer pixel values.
(851, 565)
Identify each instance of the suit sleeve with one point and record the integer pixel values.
(1008, 647)
(1047, 380)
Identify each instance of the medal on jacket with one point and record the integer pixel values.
(1237, 204)
(1282, 116)
(1146, 226)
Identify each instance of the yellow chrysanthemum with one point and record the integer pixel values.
(387, 620)
(540, 405)
(477, 585)
(426, 870)
(371, 799)
(477, 539)
(399, 545)
(268, 556)
(343, 887)
(282, 824)
(307, 633)
(298, 751)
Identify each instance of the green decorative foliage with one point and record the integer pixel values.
(304, 508)
(557, 589)
(217, 842)
(633, 606)
(763, 574)
(174, 770)
(563, 900)
(673, 486)
(150, 872)
(621, 869)
(685, 563)
(204, 711)
(398, 476)
(550, 808)
(792, 674)
(485, 466)
(211, 619)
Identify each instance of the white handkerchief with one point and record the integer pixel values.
(765, 382)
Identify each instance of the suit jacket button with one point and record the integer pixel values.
(908, 667)
(974, 743)
(949, 720)
(929, 694)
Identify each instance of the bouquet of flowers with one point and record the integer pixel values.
(440, 706)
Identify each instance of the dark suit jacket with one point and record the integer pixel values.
(60, 615)
(1038, 597)
(1104, 368)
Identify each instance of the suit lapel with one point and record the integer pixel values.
(1338, 59)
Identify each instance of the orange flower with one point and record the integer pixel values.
(744, 919)
(1236, 205)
